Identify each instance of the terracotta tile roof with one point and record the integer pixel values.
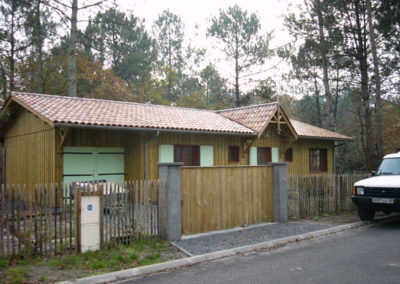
(80, 111)
(254, 117)
(248, 120)
(305, 130)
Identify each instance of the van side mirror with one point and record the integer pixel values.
(373, 173)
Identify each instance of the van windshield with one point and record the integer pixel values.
(389, 167)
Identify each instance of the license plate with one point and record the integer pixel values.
(383, 200)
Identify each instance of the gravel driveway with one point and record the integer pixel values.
(247, 236)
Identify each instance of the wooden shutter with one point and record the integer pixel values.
(253, 156)
(275, 154)
(166, 154)
(206, 156)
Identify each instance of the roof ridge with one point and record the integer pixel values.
(244, 107)
(108, 101)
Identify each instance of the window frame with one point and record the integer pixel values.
(237, 152)
(269, 149)
(195, 154)
(290, 160)
(322, 160)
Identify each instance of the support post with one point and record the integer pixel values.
(280, 192)
(170, 201)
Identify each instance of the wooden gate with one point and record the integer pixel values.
(216, 198)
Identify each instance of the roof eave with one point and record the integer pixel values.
(27, 107)
(127, 128)
(349, 139)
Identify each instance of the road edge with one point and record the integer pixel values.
(198, 259)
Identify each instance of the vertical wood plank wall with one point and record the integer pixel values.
(132, 142)
(30, 151)
(301, 158)
(34, 150)
(216, 198)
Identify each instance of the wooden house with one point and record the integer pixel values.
(51, 138)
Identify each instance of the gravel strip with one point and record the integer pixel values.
(247, 236)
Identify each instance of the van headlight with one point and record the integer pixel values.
(360, 191)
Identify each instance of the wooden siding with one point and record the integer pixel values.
(35, 149)
(301, 158)
(216, 198)
(133, 143)
(30, 150)
(130, 141)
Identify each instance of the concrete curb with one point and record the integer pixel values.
(183, 262)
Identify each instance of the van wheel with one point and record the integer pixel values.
(366, 214)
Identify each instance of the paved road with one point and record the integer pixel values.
(367, 255)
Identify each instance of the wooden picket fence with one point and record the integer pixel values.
(36, 220)
(317, 195)
(45, 219)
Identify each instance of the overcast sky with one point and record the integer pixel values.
(198, 13)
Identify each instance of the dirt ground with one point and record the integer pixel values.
(336, 219)
(345, 218)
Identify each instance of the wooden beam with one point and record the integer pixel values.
(278, 114)
(247, 142)
(63, 132)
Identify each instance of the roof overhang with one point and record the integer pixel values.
(167, 130)
(12, 99)
(349, 139)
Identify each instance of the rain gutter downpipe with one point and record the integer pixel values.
(146, 158)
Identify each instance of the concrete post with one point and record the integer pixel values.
(280, 192)
(169, 174)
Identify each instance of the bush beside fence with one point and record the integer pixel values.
(318, 195)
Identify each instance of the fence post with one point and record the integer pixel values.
(169, 174)
(280, 192)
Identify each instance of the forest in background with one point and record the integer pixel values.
(343, 57)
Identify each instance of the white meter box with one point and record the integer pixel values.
(90, 223)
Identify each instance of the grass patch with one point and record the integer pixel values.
(48, 270)
(16, 275)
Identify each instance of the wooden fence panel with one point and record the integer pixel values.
(34, 220)
(42, 219)
(216, 198)
(317, 195)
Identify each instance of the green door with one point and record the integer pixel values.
(93, 163)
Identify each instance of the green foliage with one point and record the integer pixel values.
(239, 33)
(168, 31)
(3, 263)
(217, 95)
(262, 93)
(120, 40)
(16, 275)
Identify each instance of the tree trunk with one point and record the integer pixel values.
(363, 65)
(72, 81)
(378, 103)
(11, 57)
(38, 37)
(331, 123)
(317, 103)
(237, 91)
